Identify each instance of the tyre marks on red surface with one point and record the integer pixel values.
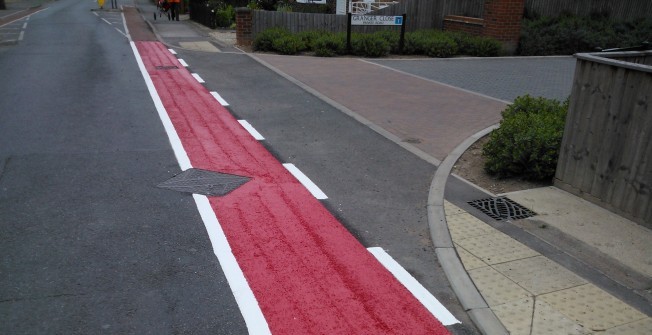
(308, 273)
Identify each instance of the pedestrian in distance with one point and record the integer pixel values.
(174, 9)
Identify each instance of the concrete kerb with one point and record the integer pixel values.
(461, 283)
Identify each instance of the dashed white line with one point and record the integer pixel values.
(219, 98)
(172, 51)
(198, 78)
(22, 34)
(183, 62)
(426, 298)
(24, 25)
(303, 179)
(246, 125)
(105, 20)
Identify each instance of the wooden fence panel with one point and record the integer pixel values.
(607, 145)
(616, 9)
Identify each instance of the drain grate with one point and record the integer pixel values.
(502, 208)
(204, 182)
(166, 67)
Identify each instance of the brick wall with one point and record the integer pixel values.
(243, 32)
(502, 21)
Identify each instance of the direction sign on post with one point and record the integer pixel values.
(376, 20)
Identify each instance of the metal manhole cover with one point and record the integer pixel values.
(166, 67)
(204, 182)
(502, 208)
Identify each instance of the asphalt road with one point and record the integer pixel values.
(89, 244)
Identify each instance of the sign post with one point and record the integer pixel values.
(375, 20)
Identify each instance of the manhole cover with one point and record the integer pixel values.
(502, 208)
(166, 67)
(204, 182)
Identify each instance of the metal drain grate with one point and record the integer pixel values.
(204, 182)
(502, 208)
(166, 67)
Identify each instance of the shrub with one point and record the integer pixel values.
(526, 145)
(224, 16)
(570, 34)
(329, 45)
(288, 44)
(308, 37)
(439, 45)
(264, 41)
(392, 37)
(369, 45)
(414, 42)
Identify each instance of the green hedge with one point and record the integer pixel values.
(526, 145)
(432, 43)
(567, 34)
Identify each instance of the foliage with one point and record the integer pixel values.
(329, 45)
(433, 43)
(526, 145)
(569, 34)
(265, 40)
(288, 45)
(224, 15)
(369, 45)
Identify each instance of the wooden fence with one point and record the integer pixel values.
(606, 152)
(615, 9)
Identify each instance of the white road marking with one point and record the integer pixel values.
(219, 98)
(426, 298)
(96, 14)
(198, 78)
(172, 51)
(105, 20)
(303, 179)
(123, 34)
(246, 125)
(183, 62)
(22, 34)
(253, 316)
(24, 25)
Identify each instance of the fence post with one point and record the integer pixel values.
(502, 21)
(243, 24)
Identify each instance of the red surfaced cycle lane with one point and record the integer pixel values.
(307, 272)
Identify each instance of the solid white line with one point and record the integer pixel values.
(219, 98)
(124, 24)
(172, 51)
(179, 151)
(105, 20)
(253, 316)
(183, 62)
(251, 130)
(22, 34)
(201, 81)
(303, 179)
(426, 298)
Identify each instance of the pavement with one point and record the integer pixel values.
(572, 268)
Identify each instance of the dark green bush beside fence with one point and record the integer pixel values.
(567, 35)
(526, 145)
(432, 43)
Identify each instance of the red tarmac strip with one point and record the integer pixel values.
(308, 273)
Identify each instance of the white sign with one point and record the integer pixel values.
(376, 20)
(319, 2)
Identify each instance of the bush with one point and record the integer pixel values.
(288, 44)
(392, 37)
(568, 34)
(224, 16)
(265, 40)
(369, 45)
(308, 37)
(329, 45)
(440, 45)
(526, 145)
(414, 42)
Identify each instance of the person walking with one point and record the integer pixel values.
(174, 9)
